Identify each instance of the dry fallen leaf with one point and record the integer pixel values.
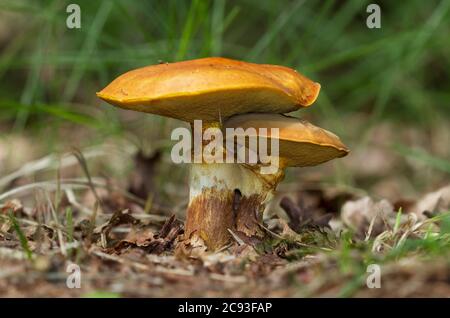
(358, 214)
(301, 217)
(146, 239)
(191, 248)
(14, 206)
(433, 203)
(138, 238)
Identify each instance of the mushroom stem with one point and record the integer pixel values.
(226, 196)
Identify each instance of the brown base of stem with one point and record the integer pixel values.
(212, 213)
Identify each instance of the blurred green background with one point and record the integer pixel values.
(385, 92)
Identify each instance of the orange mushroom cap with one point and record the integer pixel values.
(300, 142)
(211, 89)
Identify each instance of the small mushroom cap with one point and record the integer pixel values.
(211, 89)
(300, 142)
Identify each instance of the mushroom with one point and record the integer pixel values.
(234, 196)
(214, 89)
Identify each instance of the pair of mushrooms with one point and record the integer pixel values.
(230, 196)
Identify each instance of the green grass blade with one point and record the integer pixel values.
(22, 238)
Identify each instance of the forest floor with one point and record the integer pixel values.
(58, 216)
